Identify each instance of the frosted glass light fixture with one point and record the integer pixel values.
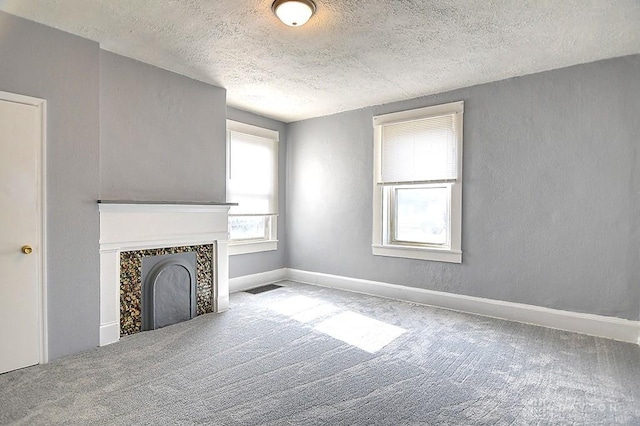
(294, 13)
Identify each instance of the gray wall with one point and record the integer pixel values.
(45, 63)
(550, 192)
(246, 264)
(162, 135)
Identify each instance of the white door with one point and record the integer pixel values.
(20, 137)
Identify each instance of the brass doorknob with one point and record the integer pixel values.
(27, 249)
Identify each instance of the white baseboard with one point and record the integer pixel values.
(109, 333)
(247, 282)
(594, 325)
(221, 304)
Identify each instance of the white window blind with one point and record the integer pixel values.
(252, 175)
(423, 150)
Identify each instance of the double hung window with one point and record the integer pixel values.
(252, 182)
(417, 188)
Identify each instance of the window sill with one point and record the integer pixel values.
(420, 253)
(252, 247)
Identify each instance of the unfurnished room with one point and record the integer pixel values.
(315, 212)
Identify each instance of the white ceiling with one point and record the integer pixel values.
(352, 53)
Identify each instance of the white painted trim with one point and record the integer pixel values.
(41, 232)
(109, 333)
(252, 247)
(420, 253)
(247, 282)
(178, 241)
(44, 330)
(594, 325)
(419, 113)
(159, 207)
(221, 276)
(249, 129)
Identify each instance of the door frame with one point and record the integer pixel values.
(41, 231)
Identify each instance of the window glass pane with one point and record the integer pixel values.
(422, 215)
(248, 227)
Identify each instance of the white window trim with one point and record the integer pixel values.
(380, 239)
(243, 247)
(237, 247)
(236, 126)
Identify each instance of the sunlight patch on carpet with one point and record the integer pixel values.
(361, 331)
(304, 309)
(352, 328)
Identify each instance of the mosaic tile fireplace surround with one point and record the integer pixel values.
(131, 285)
(131, 230)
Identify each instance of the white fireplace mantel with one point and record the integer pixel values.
(130, 225)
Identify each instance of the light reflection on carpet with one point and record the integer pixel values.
(350, 327)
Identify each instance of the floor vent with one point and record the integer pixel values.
(262, 289)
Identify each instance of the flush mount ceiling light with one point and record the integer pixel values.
(294, 13)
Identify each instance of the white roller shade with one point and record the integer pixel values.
(421, 150)
(252, 179)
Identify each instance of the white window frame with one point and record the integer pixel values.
(271, 242)
(382, 239)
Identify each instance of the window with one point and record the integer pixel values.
(417, 188)
(252, 182)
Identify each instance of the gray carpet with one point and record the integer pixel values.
(272, 360)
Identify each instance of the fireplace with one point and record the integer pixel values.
(132, 233)
(143, 285)
(169, 289)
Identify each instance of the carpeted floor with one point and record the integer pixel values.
(304, 355)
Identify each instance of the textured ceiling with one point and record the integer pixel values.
(352, 53)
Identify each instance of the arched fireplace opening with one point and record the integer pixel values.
(169, 289)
